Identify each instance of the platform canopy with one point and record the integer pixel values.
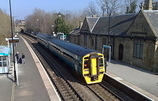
(4, 51)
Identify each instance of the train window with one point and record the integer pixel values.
(100, 61)
(86, 64)
(86, 57)
(100, 56)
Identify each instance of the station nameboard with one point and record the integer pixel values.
(14, 40)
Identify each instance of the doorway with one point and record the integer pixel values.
(120, 52)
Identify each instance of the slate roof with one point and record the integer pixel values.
(76, 31)
(101, 26)
(118, 25)
(92, 22)
(152, 18)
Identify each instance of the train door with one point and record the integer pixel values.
(94, 66)
(91, 65)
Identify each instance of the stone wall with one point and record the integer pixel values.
(127, 49)
(155, 65)
(75, 39)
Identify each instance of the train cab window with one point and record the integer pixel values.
(86, 64)
(100, 61)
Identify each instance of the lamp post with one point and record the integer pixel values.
(11, 26)
(37, 25)
(53, 30)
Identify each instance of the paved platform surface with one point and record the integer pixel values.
(143, 81)
(34, 84)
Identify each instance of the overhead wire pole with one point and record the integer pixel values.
(11, 25)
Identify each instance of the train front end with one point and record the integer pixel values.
(93, 68)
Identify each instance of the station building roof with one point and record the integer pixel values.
(119, 25)
(76, 31)
(151, 16)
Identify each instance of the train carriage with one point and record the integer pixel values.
(43, 39)
(84, 62)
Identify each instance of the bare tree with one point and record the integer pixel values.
(131, 6)
(4, 27)
(47, 23)
(155, 5)
(109, 7)
(40, 21)
(44, 22)
(90, 10)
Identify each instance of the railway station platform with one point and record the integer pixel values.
(140, 80)
(34, 84)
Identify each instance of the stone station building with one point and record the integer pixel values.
(133, 37)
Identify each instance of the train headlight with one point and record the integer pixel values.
(85, 65)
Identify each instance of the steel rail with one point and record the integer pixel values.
(59, 73)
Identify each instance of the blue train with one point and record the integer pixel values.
(86, 63)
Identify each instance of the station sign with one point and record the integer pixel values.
(12, 40)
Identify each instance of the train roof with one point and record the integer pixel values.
(45, 36)
(73, 48)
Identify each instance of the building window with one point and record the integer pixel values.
(85, 39)
(104, 41)
(78, 41)
(92, 42)
(138, 48)
(3, 61)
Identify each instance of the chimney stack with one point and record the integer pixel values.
(150, 5)
(80, 24)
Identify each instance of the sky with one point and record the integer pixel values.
(23, 8)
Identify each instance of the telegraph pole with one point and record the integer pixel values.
(11, 26)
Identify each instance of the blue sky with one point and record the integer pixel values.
(22, 8)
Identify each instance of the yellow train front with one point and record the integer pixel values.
(85, 63)
(93, 68)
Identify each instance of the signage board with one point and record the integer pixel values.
(14, 40)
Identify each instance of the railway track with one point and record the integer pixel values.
(68, 87)
(64, 88)
(103, 93)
